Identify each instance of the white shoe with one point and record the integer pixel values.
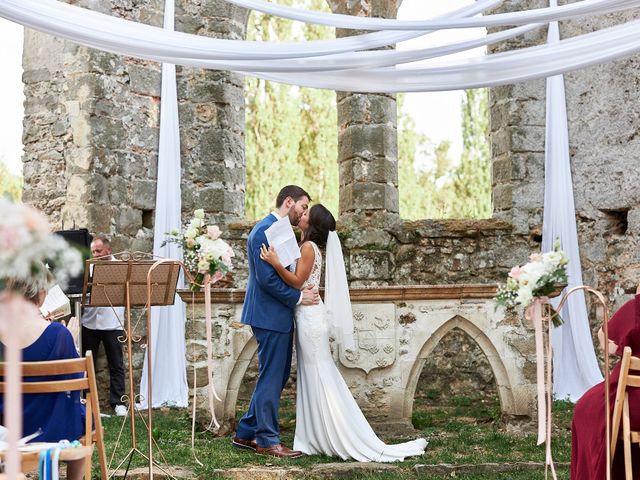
(120, 410)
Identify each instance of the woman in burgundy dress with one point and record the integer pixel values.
(588, 448)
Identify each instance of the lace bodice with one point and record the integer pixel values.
(316, 270)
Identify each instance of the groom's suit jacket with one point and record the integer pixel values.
(269, 302)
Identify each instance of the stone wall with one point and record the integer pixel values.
(396, 331)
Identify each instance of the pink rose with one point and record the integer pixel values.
(190, 242)
(515, 273)
(213, 232)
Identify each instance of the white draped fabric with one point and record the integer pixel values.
(167, 343)
(130, 38)
(575, 368)
(572, 10)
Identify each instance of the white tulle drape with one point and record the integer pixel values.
(336, 294)
(304, 59)
(167, 343)
(575, 368)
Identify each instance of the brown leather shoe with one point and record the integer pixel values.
(279, 451)
(244, 444)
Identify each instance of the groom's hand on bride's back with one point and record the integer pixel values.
(310, 295)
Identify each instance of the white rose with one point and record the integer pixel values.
(191, 233)
(552, 260)
(525, 296)
(199, 213)
(532, 272)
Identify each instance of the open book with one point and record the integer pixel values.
(56, 304)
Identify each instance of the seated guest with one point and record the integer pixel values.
(60, 415)
(588, 447)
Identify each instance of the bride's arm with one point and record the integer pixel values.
(303, 268)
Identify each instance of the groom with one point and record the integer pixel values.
(268, 308)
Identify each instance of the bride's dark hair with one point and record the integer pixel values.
(321, 222)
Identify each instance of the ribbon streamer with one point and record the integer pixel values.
(534, 313)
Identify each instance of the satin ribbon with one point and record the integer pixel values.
(211, 391)
(534, 313)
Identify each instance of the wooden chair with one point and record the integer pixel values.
(621, 409)
(88, 383)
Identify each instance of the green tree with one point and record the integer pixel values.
(10, 184)
(291, 134)
(472, 177)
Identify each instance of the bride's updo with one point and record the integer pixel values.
(321, 222)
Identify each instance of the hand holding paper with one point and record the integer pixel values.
(281, 237)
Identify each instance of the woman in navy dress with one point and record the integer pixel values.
(59, 416)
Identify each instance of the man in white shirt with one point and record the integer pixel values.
(104, 325)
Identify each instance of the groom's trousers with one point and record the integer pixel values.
(274, 367)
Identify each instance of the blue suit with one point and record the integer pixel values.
(268, 308)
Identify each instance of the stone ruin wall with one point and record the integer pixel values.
(91, 130)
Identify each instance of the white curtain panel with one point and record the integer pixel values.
(575, 368)
(118, 35)
(167, 341)
(572, 10)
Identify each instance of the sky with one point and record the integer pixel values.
(436, 114)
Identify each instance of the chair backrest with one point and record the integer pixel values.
(628, 364)
(53, 368)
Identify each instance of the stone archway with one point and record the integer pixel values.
(235, 378)
(505, 392)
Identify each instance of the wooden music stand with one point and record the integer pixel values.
(132, 280)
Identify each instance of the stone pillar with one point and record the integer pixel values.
(368, 158)
(212, 117)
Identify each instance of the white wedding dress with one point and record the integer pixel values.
(328, 419)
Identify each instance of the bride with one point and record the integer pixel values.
(328, 419)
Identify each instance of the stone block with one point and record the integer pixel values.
(368, 196)
(215, 200)
(143, 194)
(369, 170)
(370, 265)
(502, 197)
(366, 109)
(527, 139)
(128, 221)
(145, 80)
(367, 141)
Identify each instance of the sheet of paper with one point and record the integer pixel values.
(56, 303)
(281, 237)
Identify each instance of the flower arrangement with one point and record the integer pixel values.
(538, 278)
(28, 248)
(203, 250)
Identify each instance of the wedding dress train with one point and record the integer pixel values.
(328, 419)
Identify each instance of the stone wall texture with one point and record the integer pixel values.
(91, 134)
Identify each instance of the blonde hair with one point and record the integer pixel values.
(31, 288)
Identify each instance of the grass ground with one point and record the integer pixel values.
(462, 431)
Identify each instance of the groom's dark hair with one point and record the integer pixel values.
(292, 191)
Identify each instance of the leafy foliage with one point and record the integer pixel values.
(10, 184)
(291, 133)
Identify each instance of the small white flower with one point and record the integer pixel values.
(199, 214)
